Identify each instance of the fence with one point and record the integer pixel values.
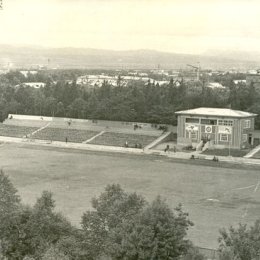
(210, 254)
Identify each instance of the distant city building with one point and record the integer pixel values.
(98, 80)
(158, 82)
(26, 72)
(219, 127)
(252, 72)
(142, 74)
(215, 85)
(34, 84)
(239, 81)
(4, 71)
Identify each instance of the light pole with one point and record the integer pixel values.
(229, 141)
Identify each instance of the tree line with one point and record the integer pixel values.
(121, 225)
(138, 101)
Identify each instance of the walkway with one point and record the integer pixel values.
(70, 145)
(92, 147)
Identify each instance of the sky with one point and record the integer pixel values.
(182, 26)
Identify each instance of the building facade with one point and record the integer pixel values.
(220, 127)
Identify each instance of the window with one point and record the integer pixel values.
(224, 137)
(247, 123)
(225, 122)
(208, 121)
(192, 120)
(244, 138)
(193, 135)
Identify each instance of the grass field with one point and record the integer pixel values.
(215, 197)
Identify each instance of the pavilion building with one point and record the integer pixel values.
(219, 127)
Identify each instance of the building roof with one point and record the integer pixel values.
(223, 112)
(214, 85)
(237, 81)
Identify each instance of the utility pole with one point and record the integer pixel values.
(229, 146)
(197, 68)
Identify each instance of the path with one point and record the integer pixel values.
(94, 147)
(247, 206)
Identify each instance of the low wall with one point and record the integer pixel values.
(27, 117)
(211, 254)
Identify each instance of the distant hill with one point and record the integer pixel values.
(137, 59)
(235, 54)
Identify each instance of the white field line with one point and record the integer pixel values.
(243, 188)
(92, 138)
(247, 206)
(246, 211)
(256, 187)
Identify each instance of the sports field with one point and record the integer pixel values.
(214, 196)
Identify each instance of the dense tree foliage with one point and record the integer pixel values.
(125, 226)
(120, 226)
(241, 243)
(28, 231)
(155, 233)
(139, 101)
(111, 209)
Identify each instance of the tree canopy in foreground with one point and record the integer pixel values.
(121, 226)
(241, 243)
(125, 226)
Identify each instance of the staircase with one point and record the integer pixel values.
(200, 146)
(38, 130)
(160, 139)
(94, 137)
(252, 152)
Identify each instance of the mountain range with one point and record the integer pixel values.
(29, 57)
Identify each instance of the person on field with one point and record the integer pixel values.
(167, 148)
